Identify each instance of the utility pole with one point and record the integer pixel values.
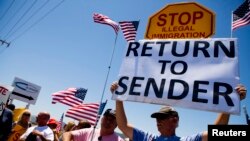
(247, 116)
(2, 42)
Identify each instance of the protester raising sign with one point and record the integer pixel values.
(197, 73)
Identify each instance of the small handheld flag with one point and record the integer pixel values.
(60, 123)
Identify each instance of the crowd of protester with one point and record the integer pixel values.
(46, 127)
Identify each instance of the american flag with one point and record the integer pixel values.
(60, 123)
(241, 16)
(84, 111)
(101, 108)
(99, 18)
(71, 96)
(129, 29)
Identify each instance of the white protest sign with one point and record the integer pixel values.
(192, 73)
(25, 91)
(5, 91)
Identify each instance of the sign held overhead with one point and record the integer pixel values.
(181, 20)
(191, 73)
(5, 91)
(25, 91)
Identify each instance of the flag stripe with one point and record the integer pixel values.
(68, 100)
(88, 111)
(71, 96)
(241, 16)
(81, 115)
(129, 29)
(241, 22)
(84, 111)
(102, 19)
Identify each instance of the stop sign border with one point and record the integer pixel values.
(212, 31)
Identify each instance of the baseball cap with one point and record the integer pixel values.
(52, 121)
(165, 111)
(109, 112)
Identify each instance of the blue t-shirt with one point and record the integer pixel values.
(139, 135)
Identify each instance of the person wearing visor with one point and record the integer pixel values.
(105, 133)
(167, 120)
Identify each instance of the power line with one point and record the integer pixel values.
(39, 20)
(13, 16)
(40, 8)
(7, 10)
(24, 14)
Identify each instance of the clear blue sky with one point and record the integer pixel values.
(67, 49)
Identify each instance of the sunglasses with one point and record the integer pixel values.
(26, 114)
(162, 117)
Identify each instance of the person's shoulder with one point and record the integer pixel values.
(120, 139)
(41, 128)
(86, 130)
(118, 136)
(83, 132)
(194, 137)
(33, 127)
(48, 129)
(7, 111)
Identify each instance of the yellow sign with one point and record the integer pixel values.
(181, 20)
